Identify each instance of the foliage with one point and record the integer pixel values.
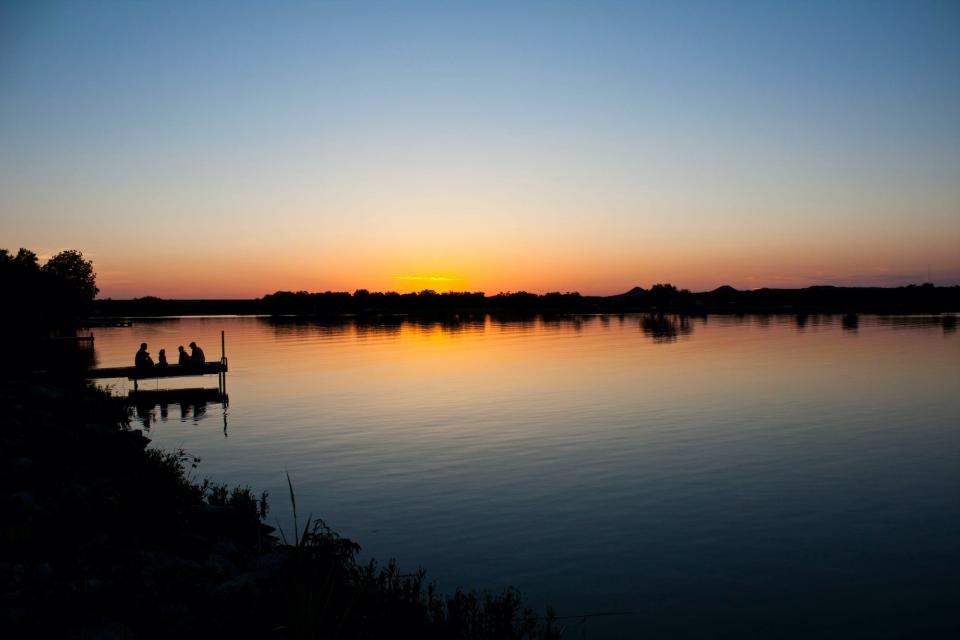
(328, 594)
(75, 274)
(56, 295)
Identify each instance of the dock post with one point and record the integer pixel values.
(223, 358)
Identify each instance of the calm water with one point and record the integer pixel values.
(757, 476)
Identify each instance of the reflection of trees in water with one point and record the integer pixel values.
(660, 327)
(946, 322)
(449, 324)
(392, 325)
(303, 327)
(663, 328)
(564, 322)
(371, 326)
(513, 323)
(949, 324)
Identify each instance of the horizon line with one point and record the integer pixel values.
(517, 291)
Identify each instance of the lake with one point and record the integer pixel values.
(723, 476)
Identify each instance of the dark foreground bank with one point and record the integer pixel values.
(105, 537)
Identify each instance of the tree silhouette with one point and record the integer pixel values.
(69, 268)
(55, 296)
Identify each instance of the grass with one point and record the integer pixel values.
(330, 595)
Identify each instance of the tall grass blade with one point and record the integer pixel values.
(293, 502)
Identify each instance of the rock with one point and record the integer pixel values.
(46, 393)
(21, 464)
(224, 548)
(134, 438)
(12, 616)
(92, 585)
(220, 565)
(269, 563)
(177, 610)
(191, 545)
(106, 630)
(244, 583)
(43, 571)
(170, 563)
(218, 521)
(26, 498)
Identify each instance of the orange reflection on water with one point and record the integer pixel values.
(543, 366)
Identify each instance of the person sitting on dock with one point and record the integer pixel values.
(143, 360)
(197, 358)
(184, 360)
(162, 355)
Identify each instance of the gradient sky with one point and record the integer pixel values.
(232, 149)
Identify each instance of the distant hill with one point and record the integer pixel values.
(633, 293)
(725, 289)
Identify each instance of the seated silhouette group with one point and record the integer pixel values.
(195, 358)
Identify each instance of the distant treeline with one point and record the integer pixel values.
(660, 297)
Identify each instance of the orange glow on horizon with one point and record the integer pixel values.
(492, 261)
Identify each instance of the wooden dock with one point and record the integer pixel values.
(169, 371)
(138, 374)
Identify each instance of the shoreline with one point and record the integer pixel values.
(945, 315)
(120, 540)
(912, 299)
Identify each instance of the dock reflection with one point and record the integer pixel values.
(154, 406)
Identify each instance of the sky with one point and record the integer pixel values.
(232, 149)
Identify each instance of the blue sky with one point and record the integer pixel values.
(588, 146)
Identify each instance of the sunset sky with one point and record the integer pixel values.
(232, 149)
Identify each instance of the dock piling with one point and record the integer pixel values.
(222, 378)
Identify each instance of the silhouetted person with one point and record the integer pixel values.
(162, 358)
(184, 357)
(196, 355)
(143, 360)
